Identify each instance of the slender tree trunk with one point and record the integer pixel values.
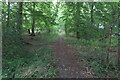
(77, 20)
(78, 36)
(33, 26)
(110, 42)
(33, 21)
(8, 15)
(118, 37)
(92, 14)
(119, 47)
(114, 20)
(19, 22)
(66, 30)
(29, 31)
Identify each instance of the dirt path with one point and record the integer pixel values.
(68, 63)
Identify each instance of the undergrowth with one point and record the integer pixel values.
(48, 38)
(94, 54)
(17, 62)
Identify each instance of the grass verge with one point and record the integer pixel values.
(94, 54)
(31, 64)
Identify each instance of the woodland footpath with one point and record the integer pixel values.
(60, 40)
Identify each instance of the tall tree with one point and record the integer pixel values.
(91, 12)
(33, 20)
(8, 15)
(19, 20)
(77, 20)
(119, 37)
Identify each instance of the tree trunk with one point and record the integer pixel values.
(8, 18)
(19, 22)
(92, 14)
(66, 30)
(78, 36)
(29, 31)
(110, 42)
(77, 20)
(33, 26)
(33, 21)
(119, 48)
(118, 37)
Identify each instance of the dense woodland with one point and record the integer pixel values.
(30, 30)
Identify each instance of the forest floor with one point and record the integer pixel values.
(53, 56)
(69, 64)
(33, 44)
(40, 63)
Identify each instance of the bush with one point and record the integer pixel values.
(17, 62)
(12, 51)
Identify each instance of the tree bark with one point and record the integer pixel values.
(8, 18)
(19, 22)
(119, 37)
(33, 26)
(91, 12)
(77, 33)
(77, 20)
(66, 31)
(119, 48)
(29, 31)
(33, 21)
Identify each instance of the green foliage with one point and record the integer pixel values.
(16, 59)
(86, 21)
(94, 55)
(48, 38)
(44, 16)
(40, 65)
(11, 43)
(87, 18)
(24, 63)
(12, 51)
